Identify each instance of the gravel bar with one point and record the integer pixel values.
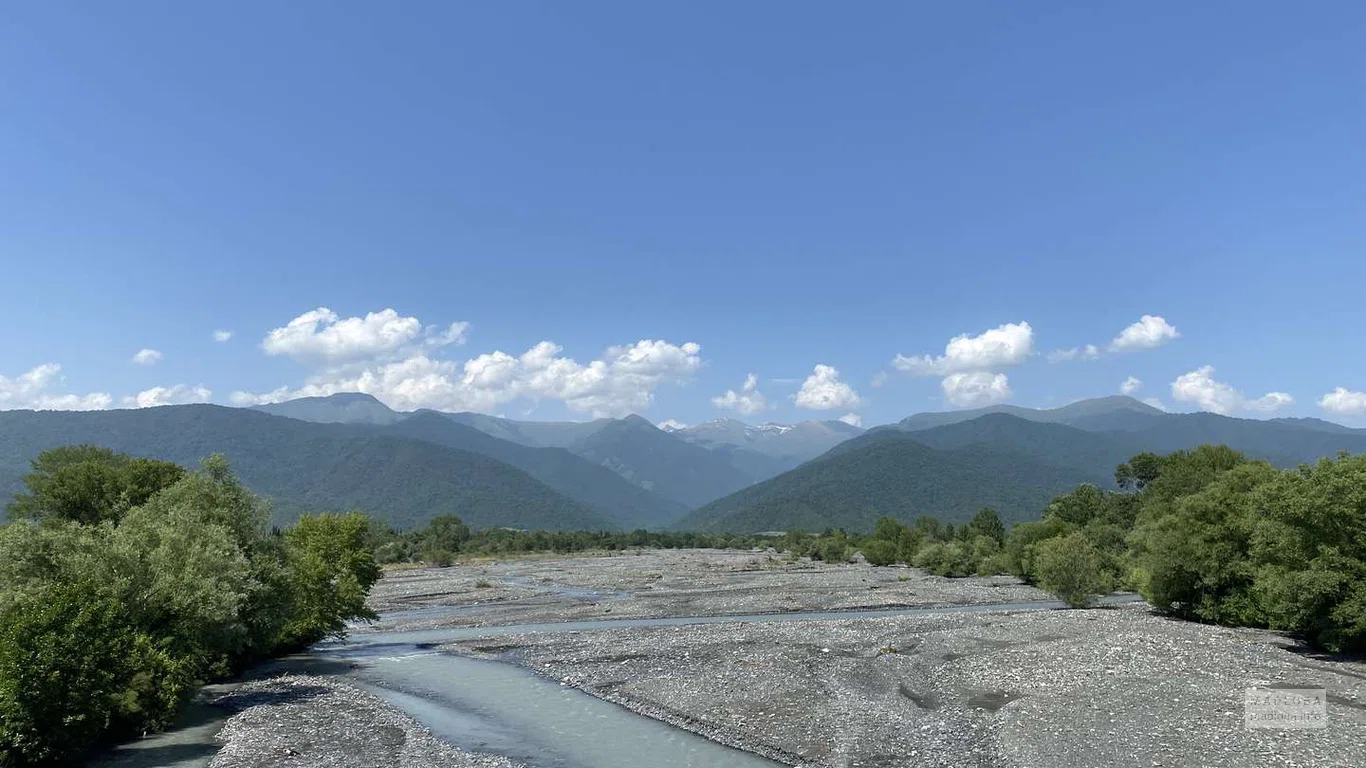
(301, 720)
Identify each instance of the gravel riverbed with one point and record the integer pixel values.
(1048, 689)
(998, 687)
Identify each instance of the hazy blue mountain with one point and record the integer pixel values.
(589, 483)
(892, 474)
(1282, 442)
(341, 408)
(661, 462)
(1092, 455)
(1318, 425)
(791, 442)
(307, 466)
(632, 448)
(545, 434)
(1115, 413)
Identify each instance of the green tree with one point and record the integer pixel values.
(1190, 554)
(87, 484)
(63, 662)
(1024, 539)
(1308, 547)
(1072, 568)
(331, 572)
(879, 551)
(988, 523)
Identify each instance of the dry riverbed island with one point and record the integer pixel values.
(990, 681)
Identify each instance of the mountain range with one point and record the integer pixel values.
(1009, 458)
(351, 451)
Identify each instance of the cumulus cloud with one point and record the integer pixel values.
(1154, 402)
(620, 382)
(1343, 400)
(30, 390)
(671, 425)
(748, 400)
(321, 336)
(1088, 352)
(1200, 388)
(823, 391)
(221, 336)
(147, 357)
(179, 394)
(1150, 331)
(852, 419)
(998, 347)
(976, 388)
(1130, 386)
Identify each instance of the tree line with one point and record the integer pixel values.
(127, 583)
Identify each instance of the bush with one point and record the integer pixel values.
(1308, 548)
(1072, 568)
(63, 661)
(111, 616)
(879, 552)
(330, 573)
(1190, 554)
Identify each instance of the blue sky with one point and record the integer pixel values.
(782, 184)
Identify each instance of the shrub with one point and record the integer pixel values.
(1072, 568)
(879, 552)
(1308, 547)
(63, 662)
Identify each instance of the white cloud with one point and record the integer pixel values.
(147, 357)
(671, 425)
(1004, 345)
(320, 336)
(1200, 388)
(622, 381)
(1150, 331)
(1130, 386)
(823, 391)
(1270, 402)
(1343, 400)
(976, 388)
(179, 394)
(852, 419)
(30, 390)
(748, 400)
(1154, 402)
(1088, 352)
(221, 336)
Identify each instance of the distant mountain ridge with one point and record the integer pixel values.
(1116, 412)
(800, 441)
(341, 408)
(895, 475)
(307, 466)
(881, 472)
(628, 473)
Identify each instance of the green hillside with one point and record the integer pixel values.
(894, 475)
(626, 504)
(305, 466)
